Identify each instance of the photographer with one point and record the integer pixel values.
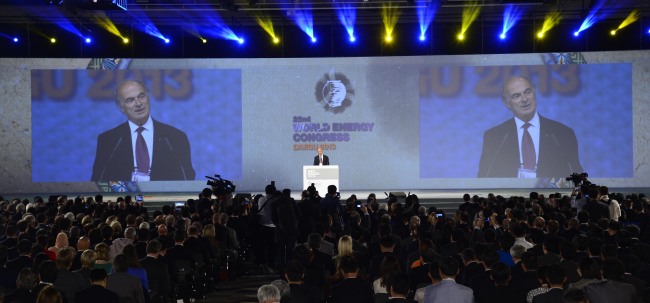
(265, 236)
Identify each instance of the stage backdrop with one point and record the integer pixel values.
(389, 123)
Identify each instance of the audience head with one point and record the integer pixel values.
(398, 285)
(27, 278)
(120, 263)
(64, 258)
(88, 258)
(294, 271)
(98, 276)
(268, 294)
(448, 267)
(49, 294)
(349, 265)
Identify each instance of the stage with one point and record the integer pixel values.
(446, 200)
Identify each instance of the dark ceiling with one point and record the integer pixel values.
(39, 18)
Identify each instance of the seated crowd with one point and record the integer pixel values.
(586, 247)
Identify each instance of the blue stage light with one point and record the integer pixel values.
(423, 37)
(313, 40)
(576, 34)
(502, 36)
(88, 40)
(167, 40)
(240, 40)
(352, 39)
(15, 39)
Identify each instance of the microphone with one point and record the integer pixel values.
(487, 174)
(110, 157)
(171, 149)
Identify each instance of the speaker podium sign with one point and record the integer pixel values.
(321, 176)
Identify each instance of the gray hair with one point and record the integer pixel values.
(516, 251)
(268, 294)
(144, 225)
(130, 233)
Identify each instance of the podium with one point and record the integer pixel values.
(321, 176)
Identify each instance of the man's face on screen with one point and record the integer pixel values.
(133, 101)
(519, 98)
(320, 151)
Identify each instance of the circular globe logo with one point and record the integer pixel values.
(334, 93)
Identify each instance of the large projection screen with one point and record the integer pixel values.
(416, 123)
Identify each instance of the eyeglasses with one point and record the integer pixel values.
(140, 98)
(519, 96)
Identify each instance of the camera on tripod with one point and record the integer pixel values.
(220, 185)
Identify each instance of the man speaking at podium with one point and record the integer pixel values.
(141, 149)
(321, 159)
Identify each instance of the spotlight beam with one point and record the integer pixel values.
(303, 18)
(389, 16)
(592, 17)
(511, 14)
(347, 15)
(425, 16)
(551, 20)
(266, 23)
(631, 18)
(470, 13)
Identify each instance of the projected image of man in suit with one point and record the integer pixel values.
(529, 145)
(141, 149)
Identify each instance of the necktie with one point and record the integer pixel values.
(528, 149)
(321, 159)
(141, 152)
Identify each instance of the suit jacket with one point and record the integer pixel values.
(96, 294)
(352, 291)
(126, 286)
(448, 291)
(610, 291)
(171, 156)
(558, 151)
(304, 293)
(69, 283)
(326, 160)
(158, 276)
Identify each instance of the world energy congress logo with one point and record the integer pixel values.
(334, 91)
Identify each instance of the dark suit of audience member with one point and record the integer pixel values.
(596, 210)
(27, 279)
(556, 278)
(97, 292)
(170, 153)
(558, 147)
(126, 286)
(67, 282)
(351, 289)
(300, 292)
(502, 292)
(611, 289)
(158, 276)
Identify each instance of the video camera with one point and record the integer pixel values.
(220, 185)
(575, 178)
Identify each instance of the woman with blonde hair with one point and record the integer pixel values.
(103, 257)
(344, 249)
